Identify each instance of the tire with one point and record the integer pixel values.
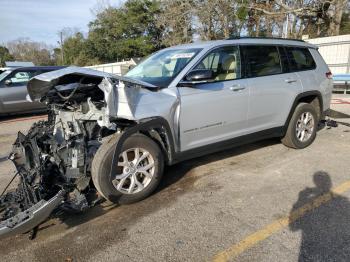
(101, 166)
(291, 138)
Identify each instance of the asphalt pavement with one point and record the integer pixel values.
(258, 202)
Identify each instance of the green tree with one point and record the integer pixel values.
(125, 32)
(73, 50)
(4, 55)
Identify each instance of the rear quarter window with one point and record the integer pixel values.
(261, 60)
(300, 59)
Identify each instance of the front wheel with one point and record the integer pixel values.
(302, 127)
(140, 168)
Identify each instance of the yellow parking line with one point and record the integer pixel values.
(277, 225)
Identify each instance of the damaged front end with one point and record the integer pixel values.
(53, 160)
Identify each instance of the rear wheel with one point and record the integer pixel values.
(302, 127)
(139, 169)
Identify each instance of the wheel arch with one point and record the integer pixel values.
(312, 97)
(156, 128)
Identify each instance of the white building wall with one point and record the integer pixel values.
(335, 50)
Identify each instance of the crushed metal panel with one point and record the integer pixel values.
(30, 218)
(39, 85)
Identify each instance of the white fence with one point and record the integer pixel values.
(335, 50)
(119, 68)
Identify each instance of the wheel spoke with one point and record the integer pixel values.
(125, 157)
(310, 125)
(132, 184)
(145, 168)
(302, 118)
(124, 163)
(137, 154)
(308, 117)
(143, 157)
(121, 176)
(147, 174)
(309, 129)
(138, 184)
(299, 133)
(121, 183)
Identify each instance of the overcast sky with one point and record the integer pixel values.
(41, 20)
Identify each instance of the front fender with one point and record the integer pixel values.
(145, 126)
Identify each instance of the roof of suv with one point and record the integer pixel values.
(248, 40)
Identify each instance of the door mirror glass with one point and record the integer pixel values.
(8, 82)
(200, 75)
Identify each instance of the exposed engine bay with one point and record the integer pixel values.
(53, 160)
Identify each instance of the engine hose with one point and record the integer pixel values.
(3, 192)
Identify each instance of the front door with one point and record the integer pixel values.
(215, 111)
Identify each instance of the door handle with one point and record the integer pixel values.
(237, 88)
(289, 81)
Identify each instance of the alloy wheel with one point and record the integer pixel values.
(135, 171)
(305, 126)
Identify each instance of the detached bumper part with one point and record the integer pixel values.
(30, 218)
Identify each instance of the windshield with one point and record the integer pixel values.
(162, 67)
(4, 74)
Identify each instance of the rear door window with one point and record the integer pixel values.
(261, 60)
(300, 59)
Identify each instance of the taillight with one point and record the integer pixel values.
(329, 75)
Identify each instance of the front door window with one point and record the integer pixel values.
(224, 62)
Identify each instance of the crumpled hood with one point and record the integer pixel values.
(40, 85)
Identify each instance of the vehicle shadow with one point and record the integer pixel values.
(325, 227)
(176, 172)
(173, 184)
(337, 114)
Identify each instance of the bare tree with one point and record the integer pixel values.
(176, 21)
(24, 49)
(217, 19)
(335, 13)
(304, 16)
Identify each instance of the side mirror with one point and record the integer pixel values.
(8, 82)
(198, 76)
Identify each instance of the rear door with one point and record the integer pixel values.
(302, 62)
(14, 93)
(272, 87)
(215, 111)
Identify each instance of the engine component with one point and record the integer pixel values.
(53, 162)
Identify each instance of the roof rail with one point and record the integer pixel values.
(257, 37)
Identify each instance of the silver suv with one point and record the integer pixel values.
(115, 134)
